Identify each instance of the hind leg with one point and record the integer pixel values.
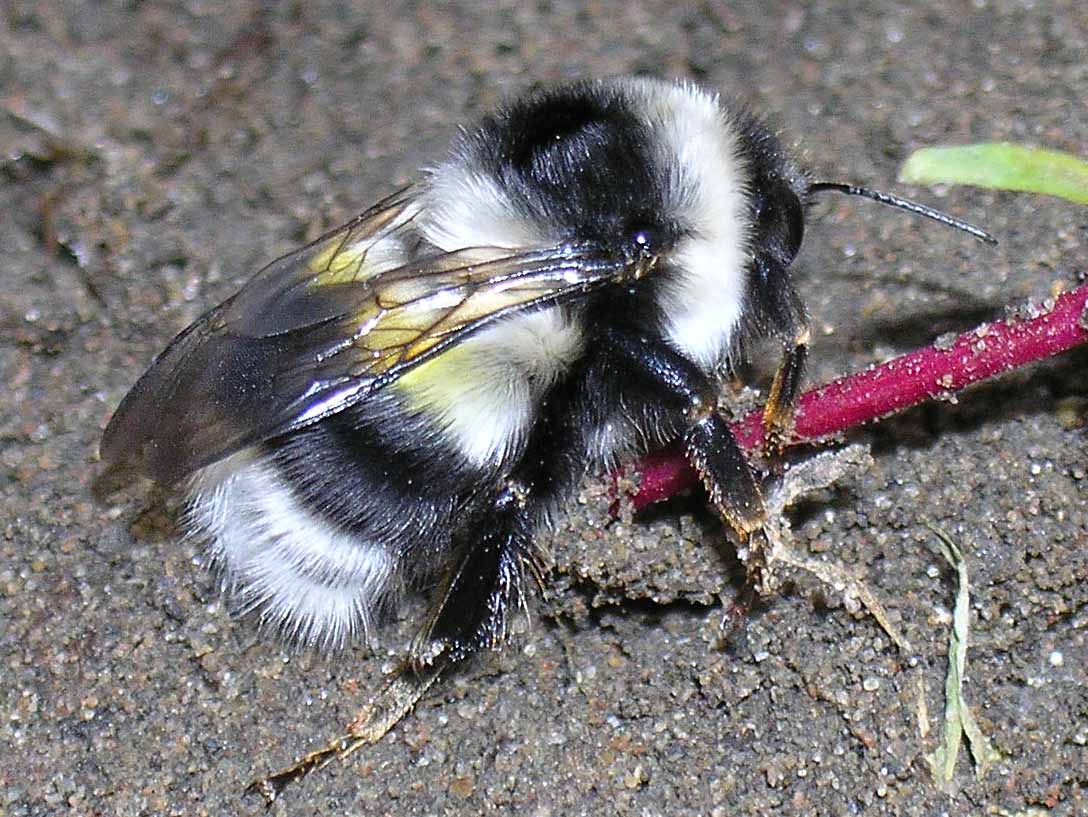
(482, 587)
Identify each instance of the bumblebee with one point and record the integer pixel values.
(403, 403)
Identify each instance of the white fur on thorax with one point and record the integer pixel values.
(465, 207)
(484, 393)
(705, 192)
(318, 585)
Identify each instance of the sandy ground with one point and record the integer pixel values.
(155, 155)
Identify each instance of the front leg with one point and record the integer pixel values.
(778, 413)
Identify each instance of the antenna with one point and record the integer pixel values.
(903, 204)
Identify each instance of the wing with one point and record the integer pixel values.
(319, 329)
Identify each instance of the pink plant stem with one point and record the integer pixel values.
(935, 371)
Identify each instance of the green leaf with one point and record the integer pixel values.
(1001, 166)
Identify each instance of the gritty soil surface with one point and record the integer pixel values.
(155, 155)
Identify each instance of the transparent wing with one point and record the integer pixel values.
(319, 330)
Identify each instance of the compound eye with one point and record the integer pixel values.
(780, 220)
(795, 226)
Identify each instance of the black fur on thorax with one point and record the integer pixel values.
(579, 160)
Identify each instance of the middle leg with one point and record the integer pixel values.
(687, 393)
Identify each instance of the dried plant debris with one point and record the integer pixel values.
(814, 474)
(958, 719)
